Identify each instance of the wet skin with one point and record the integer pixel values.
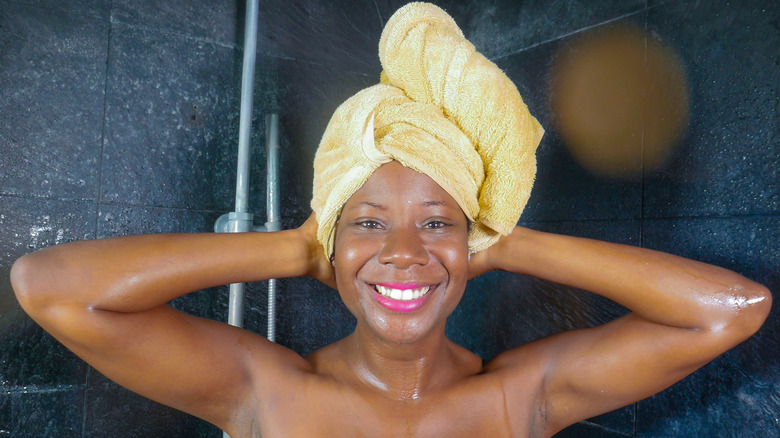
(397, 375)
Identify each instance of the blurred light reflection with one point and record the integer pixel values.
(619, 94)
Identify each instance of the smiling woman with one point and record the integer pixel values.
(400, 235)
(420, 181)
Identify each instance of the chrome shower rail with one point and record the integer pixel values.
(240, 220)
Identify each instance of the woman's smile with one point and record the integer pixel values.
(402, 297)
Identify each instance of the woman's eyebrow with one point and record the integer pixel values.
(374, 205)
(435, 203)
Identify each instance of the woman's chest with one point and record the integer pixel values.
(327, 410)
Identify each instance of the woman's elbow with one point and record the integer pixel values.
(27, 281)
(751, 308)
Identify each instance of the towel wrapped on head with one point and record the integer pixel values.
(442, 109)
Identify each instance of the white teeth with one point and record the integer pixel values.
(402, 295)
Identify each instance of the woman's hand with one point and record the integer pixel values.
(319, 266)
(486, 260)
(479, 263)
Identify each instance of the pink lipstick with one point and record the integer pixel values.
(401, 297)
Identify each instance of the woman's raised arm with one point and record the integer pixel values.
(685, 313)
(105, 300)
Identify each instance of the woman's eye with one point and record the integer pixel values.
(370, 225)
(435, 225)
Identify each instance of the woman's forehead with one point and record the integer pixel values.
(393, 184)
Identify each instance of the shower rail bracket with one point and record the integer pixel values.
(237, 222)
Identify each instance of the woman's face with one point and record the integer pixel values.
(401, 254)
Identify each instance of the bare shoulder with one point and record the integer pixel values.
(521, 373)
(526, 362)
(274, 373)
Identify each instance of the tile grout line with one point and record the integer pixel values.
(602, 427)
(636, 419)
(105, 116)
(566, 35)
(85, 411)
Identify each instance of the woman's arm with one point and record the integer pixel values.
(685, 313)
(105, 300)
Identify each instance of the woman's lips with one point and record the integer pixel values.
(402, 297)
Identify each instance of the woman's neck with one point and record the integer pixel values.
(406, 372)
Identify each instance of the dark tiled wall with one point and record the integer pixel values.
(121, 117)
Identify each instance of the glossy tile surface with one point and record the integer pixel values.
(340, 33)
(42, 412)
(93, 8)
(171, 121)
(52, 79)
(729, 161)
(220, 21)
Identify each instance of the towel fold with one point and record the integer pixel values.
(442, 109)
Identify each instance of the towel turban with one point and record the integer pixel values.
(443, 109)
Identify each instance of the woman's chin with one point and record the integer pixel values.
(403, 328)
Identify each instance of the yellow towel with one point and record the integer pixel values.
(442, 109)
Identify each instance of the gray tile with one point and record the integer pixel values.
(122, 414)
(42, 412)
(52, 79)
(588, 430)
(29, 355)
(341, 34)
(498, 28)
(95, 8)
(652, 3)
(171, 121)
(736, 394)
(729, 162)
(219, 21)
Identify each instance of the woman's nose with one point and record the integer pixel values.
(403, 248)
